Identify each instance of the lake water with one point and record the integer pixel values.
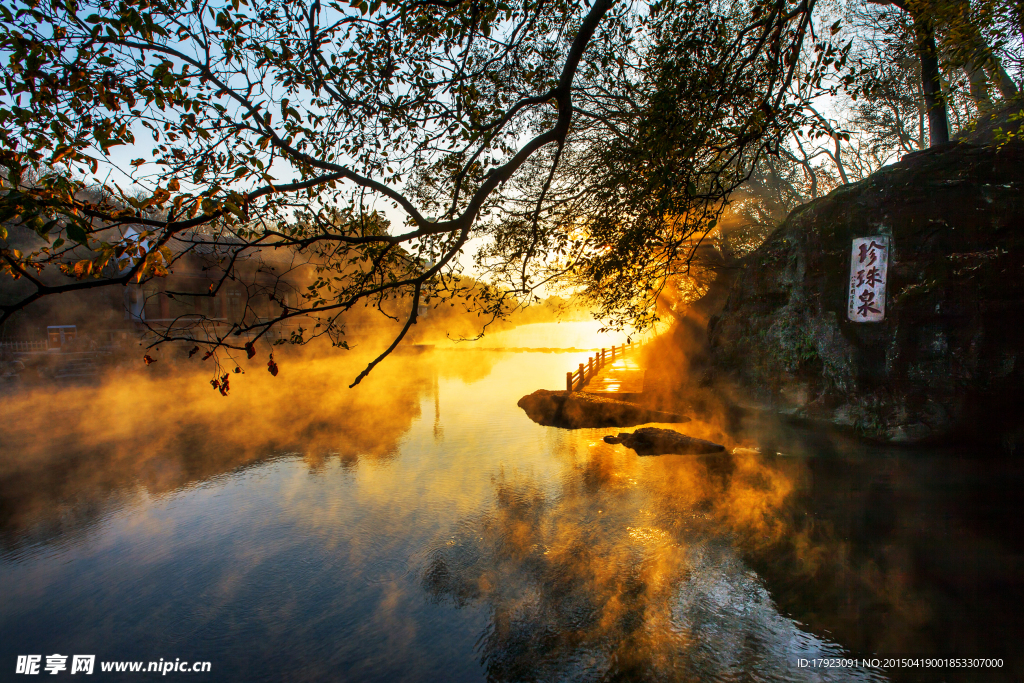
(422, 528)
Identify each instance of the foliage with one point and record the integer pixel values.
(877, 112)
(588, 141)
(664, 136)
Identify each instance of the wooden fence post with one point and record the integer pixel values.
(595, 363)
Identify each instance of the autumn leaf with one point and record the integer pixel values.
(79, 235)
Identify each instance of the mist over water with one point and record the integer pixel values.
(421, 527)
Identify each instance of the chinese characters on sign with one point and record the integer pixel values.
(869, 264)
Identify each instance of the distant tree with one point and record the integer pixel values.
(962, 26)
(875, 112)
(594, 139)
(965, 26)
(923, 16)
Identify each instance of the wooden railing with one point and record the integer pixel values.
(576, 381)
(23, 346)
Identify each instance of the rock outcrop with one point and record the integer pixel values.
(578, 410)
(948, 359)
(655, 441)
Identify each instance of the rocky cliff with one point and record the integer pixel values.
(948, 359)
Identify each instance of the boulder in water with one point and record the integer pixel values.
(655, 441)
(577, 410)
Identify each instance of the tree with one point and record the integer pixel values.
(663, 138)
(528, 123)
(923, 16)
(871, 116)
(962, 26)
(965, 25)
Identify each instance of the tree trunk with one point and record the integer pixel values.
(1002, 79)
(931, 81)
(1020, 17)
(983, 65)
(979, 85)
(837, 158)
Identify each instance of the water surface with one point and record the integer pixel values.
(422, 528)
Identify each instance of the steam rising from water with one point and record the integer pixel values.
(320, 518)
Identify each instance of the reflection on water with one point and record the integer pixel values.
(596, 581)
(421, 527)
(69, 454)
